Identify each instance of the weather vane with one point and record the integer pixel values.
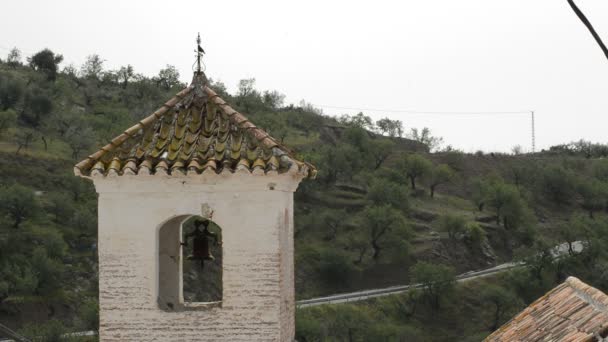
(199, 53)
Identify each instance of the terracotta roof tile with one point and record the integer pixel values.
(573, 311)
(193, 132)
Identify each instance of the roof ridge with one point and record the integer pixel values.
(93, 158)
(572, 308)
(589, 294)
(244, 122)
(197, 94)
(241, 120)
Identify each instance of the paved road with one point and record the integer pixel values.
(4, 330)
(557, 251)
(367, 294)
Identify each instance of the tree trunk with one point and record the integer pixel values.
(333, 231)
(496, 318)
(414, 305)
(361, 254)
(436, 302)
(46, 145)
(376, 249)
(18, 221)
(378, 164)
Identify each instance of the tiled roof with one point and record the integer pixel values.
(195, 132)
(573, 311)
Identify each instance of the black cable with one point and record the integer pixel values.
(423, 112)
(586, 22)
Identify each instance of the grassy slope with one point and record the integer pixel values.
(43, 170)
(464, 318)
(430, 243)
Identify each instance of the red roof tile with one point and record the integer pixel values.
(573, 311)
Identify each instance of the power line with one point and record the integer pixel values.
(27, 52)
(447, 113)
(407, 111)
(6, 48)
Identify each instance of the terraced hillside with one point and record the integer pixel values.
(381, 207)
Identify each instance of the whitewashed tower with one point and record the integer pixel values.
(192, 156)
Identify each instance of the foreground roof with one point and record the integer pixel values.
(573, 311)
(195, 132)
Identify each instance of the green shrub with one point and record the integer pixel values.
(452, 224)
(18, 203)
(384, 192)
(559, 184)
(475, 234)
(437, 281)
(51, 331)
(335, 268)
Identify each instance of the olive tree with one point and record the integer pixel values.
(453, 225)
(18, 203)
(594, 194)
(415, 166)
(11, 91)
(92, 67)
(14, 58)
(380, 150)
(392, 128)
(125, 74)
(425, 137)
(8, 118)
(168, 77)
(437, 281)
(440, 174)
(502, 301)
(382, 224)
(46, 61)
(384, 192)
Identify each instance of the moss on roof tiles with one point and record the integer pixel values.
(192, 132)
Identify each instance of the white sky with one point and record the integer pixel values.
(433, 55)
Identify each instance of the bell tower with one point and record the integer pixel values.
(195, 156)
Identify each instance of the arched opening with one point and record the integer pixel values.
(202, 267)
(189, 263)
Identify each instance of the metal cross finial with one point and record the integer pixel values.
(199, 53)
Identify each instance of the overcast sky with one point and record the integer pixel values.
(430, 56)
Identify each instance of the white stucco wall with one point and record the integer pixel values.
(255, 213)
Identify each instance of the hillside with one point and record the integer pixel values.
(383, 210)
